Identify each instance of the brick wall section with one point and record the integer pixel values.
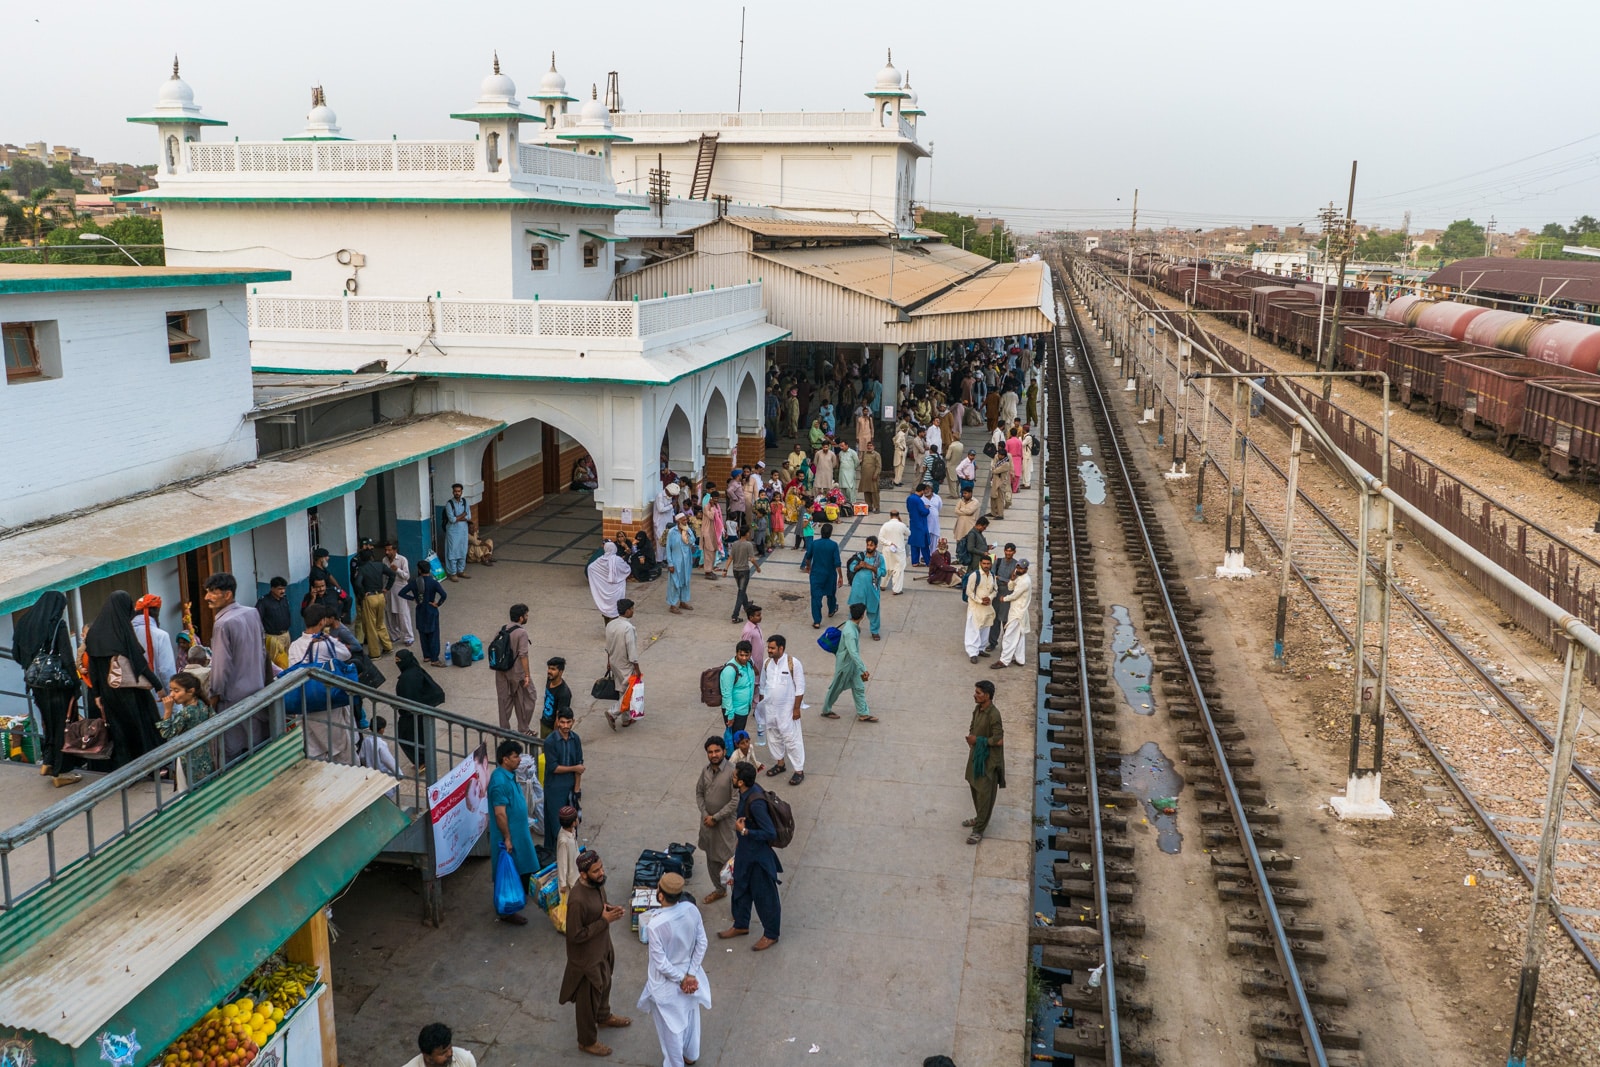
(612, 525)
(752, 450)
(718, 468)
(523, 491)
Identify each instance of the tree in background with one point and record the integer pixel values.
(962, 231)
(1381, 247)
(62, 237)
(28, 175)
(1584, 231)
(1462, 239)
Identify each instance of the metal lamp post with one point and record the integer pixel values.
(106, 240)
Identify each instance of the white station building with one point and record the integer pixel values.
(482, 267)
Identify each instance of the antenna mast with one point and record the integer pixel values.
(739, 100)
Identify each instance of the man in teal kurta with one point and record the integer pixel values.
(849, 471)
(866, 570)
(848, 670)
(509, 816)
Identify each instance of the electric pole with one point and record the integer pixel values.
(1488, 237)
(1133, 232)
(1343, 241)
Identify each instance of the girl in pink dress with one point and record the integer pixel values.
(1014, 450)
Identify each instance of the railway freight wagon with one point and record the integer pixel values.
(1271, 304)
(1414, 362)
(1488, 390)
(1364, 343)
(1562, 417)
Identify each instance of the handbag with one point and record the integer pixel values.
(88, 738)
(604, 688)
(367, 672)
(315, 695)
(47, 671)
(122, 676)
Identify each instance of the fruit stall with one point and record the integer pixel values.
(200, 939)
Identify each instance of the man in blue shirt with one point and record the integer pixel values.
(755, 864)
(738, 682)
(826, 567)
(921, 543)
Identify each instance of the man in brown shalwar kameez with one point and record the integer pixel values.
(590, 956)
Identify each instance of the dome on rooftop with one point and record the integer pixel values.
(553, 81)
(888, 77)
(594, 112)
(175, 92)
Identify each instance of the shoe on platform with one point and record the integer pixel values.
(713, 897)
(596, 1049)
(733, 931)
(616, 1022)
(974, 659)
(969, 823)
(764, 944)
(974, 838)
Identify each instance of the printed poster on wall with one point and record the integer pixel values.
(458, 806)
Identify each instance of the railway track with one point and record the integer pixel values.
(1252, 876)
(1489, 745)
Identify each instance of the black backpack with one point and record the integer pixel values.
(461, 654)
(500, 658)
(939, 470)
(782, 819)
(1033, 445)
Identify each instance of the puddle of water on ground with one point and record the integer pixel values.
(1132, 664)
(1085, 450)
(1148, 775)
(1094, 482)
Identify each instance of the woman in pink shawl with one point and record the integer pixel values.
(1014, 450)
(712, 525)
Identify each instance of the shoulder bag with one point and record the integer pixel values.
(47, 671)
(122, 675)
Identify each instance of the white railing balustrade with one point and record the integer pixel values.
(381, 157)
(501, 318)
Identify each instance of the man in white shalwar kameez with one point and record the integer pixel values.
(662, 512)
(894, 536)
(675, 985)
(1019, 620)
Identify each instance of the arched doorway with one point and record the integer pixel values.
(752, 443)
(677, 445)
(716, 439)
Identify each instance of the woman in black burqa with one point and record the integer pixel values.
(418, 685)
(130, 713)
(43, 627)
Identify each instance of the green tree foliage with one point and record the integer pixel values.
(1380, 247)
(997, 246)
(64, 242)
(28, 175)
(1462, 239)
(1584, 231)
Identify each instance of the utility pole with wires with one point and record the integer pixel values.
(660, 186)
(1488, 237)
(1133, 233)
(722, 202)
(1341, 241)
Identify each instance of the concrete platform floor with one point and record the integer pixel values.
(900, 940)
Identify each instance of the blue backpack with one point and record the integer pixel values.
(829, 641)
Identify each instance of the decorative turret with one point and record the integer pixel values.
(887, 91)
(177, 120)
(552, 95)
(908, 107)
(498, 115)
(321, 123)
(593, 132)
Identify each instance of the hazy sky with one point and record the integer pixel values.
(1047, 113)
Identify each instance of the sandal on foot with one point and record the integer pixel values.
(866, 718)
(777, 769)
(974, 838)
(969, 823)
(830, 715)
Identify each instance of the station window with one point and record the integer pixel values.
(185, 336)
(22, 352)
(538, 257)
(591, 254)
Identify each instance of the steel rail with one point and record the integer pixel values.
(1280, 938)
(1085, 695)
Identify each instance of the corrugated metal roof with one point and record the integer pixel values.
(1001, 288)
(798, 227)
(917, 273)
(67, 987)
(1540, 279)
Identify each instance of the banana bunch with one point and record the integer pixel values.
(285, 985)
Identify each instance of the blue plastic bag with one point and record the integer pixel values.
(476, 644)
(829, 641)
(510, 896)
